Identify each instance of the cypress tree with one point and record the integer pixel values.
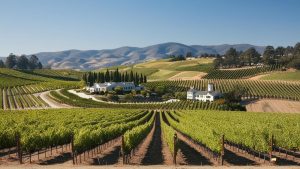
(145, 79)
(131, 77)
(107, 77)
(141, 78)
(126, 77)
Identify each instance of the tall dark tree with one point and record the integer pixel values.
(126, 77)
(189, 54)
(33, 62)
(2, 65)
(218, 62)
(22, 62)
(250, 56)
(107, 76)
(279, 54)
(131, 77)
(231, 57)
(269, 55)
(141, 78)
(295, 62)
(11, 61)
(145, 79)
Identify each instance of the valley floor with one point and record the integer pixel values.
(272, 105)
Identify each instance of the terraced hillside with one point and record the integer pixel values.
(18, 88)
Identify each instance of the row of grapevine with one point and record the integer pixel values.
(240, 73)
(132, 138)
(167, 133)
(86, 139)
(254, 88)
(20, 98)
(48, 128)
(252, 130)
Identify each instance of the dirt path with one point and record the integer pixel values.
(143, 148)
(258, 76)
(110, 156)
(273, 105)
(181, 76)
(52, 103)
(158, 152)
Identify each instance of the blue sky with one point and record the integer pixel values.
(29, 26)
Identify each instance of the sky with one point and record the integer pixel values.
(31, 26)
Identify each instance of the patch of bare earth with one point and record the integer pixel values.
(273, 105)
(180, 76)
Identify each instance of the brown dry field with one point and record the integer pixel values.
(272, 105)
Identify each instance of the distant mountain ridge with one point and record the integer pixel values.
(95, 59)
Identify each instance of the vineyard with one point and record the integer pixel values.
(126, 136)
(49, 78)
(65, 97)
(254, 88)
(239, 73)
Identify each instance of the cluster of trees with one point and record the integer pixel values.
(207, 55)
(113, 76)
(21, 62)
(174, 58)
(289, 56)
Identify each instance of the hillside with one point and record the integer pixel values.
(163, 69)
(95, 59)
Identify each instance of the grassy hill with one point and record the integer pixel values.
(165, 70)
(11, 77)
(285, 76)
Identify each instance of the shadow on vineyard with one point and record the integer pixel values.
(108, 158)
(154, 154)
(234, 159)
(64, 157)
(192, 157)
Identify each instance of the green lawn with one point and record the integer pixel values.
(288, 76)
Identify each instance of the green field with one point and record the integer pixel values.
(164, 69)
(286, 76)
(44, 77)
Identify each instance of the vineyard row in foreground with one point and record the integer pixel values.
(87, 129)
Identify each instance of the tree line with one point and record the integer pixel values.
(21, 62)
(289, 57)
(113, 76)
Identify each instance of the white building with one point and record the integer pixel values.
(209, 95)
(110, 86)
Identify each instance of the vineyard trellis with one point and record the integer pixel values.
(240, 73)
(254, 88)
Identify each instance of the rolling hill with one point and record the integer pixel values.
(95, 59)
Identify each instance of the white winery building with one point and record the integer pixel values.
(209, 95)
(110, 86)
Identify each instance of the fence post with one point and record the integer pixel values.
(19, 149)
(271, 148)
(123, 151)
(72, 148)
(175, 148)
(222, 150)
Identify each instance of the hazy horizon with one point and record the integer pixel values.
(32, 26)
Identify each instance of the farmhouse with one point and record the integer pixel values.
(110, 86)
(209, 95)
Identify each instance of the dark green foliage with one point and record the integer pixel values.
(22, 62)
(113, 76)
(174, 58)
